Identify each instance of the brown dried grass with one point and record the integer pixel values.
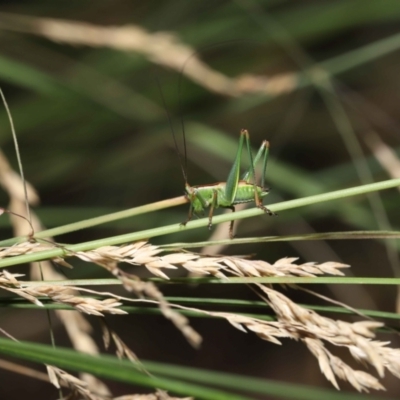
(292, 321)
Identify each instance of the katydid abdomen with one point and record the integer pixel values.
(202, 197)
(245, 192)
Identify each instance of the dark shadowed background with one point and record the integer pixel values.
(319, 79)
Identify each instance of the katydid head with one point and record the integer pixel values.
(191, 193)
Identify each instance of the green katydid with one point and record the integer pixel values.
(234, 190)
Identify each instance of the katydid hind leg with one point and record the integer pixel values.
(231, 235)
(250, 176)
(259, 203)
(263, 152)
(265, 146)
(251, 173)
(266, 210)
(233, 177)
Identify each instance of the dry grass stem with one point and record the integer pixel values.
(59, 294)
(147, 255)
(332, 366)
(108, 258)
(314, 329)
(385, 155)
(122, 350)
(75, 324)
(24, 370)
(292, 321)
(150, 290)
(158, 395)
(13, 185)
(298, 323)
(79, 389)
(24, 248)
(162, 48)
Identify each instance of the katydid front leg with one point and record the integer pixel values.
(191, 195)
(190, 216)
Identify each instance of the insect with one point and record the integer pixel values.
(234, 190)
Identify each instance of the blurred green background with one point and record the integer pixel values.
(95, 138)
